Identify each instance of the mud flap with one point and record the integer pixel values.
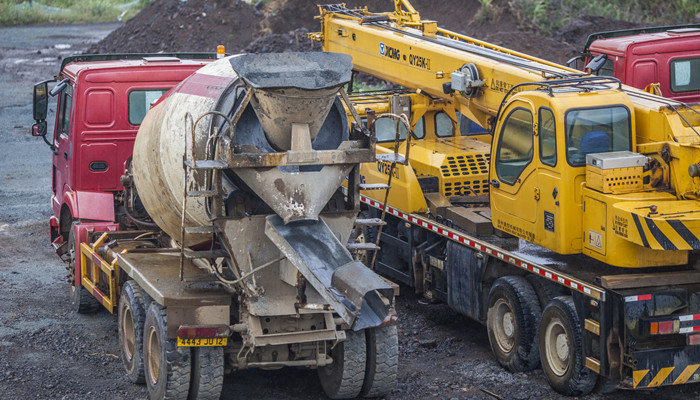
(358, 295)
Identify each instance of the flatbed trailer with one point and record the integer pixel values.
(634, 330)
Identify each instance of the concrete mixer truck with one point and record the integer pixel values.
(223, 242)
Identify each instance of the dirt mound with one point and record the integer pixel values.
(282, 25)
(194, 25)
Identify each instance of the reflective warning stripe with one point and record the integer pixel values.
(553, 275)
(643, 297)
(689, 329)
(661, 377)
(637, 376)
(686, 374)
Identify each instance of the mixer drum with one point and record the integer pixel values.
(160, 143)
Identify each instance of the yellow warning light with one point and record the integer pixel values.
(220, 51)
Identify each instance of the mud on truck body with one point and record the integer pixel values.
(218, 232)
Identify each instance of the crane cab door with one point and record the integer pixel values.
(514, 192)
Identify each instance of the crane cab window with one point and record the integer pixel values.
(548, 137)
(597, 130)
(515, 147)
(468, 127)
(685, 75)
(140, 101)
(386, 129)
(443, 125)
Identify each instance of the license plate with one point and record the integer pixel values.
(201, 342)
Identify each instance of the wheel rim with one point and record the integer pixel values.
(128, 333)
(504, 329)
(153, 355)
(557, 347)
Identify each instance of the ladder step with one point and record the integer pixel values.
(391, 158)
(202, 193)
(201, 229)
(205, 254)
(373, 186)
(207, 164)
(369, 222)
(363, 246)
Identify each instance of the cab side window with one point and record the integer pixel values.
(515, 147)
(606, 69)
(64, 111)
(548, 137)
(140, 101)
(443, 125)
(386, 129)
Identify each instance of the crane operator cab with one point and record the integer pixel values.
(542, 138)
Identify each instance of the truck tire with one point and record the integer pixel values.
(561, 349)
(343, 378)
(167, 366)
(512, 323)
(382, 361)
(131, 317)
(207, 377)
(82, 301)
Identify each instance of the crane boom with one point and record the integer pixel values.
(401, 48)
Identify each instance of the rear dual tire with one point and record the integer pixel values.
(178, 373)
(512, 322)
(131, 317)
(561, 349)
(365, 364)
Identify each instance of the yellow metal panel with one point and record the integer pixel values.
(595, 225)
(616, 181)
(686, 374)
(637, 376)
(593, 364)
(405, 190)
(673, 226)
(592, 326)
(661, 376)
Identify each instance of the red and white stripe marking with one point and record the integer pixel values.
(689, 329)
(641, 297)
(570, 282)
(689, 317)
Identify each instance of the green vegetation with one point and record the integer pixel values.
(549, 16)
(17, 12)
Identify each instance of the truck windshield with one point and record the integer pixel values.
(596, 130)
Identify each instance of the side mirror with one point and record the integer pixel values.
(41, 100)
(39, 129)
(597, 62)
(59, 88)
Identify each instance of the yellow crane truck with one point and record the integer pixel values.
(571, 231)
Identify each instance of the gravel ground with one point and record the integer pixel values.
(47, 352)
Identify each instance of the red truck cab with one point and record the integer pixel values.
(102, 100)
(667, 56)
